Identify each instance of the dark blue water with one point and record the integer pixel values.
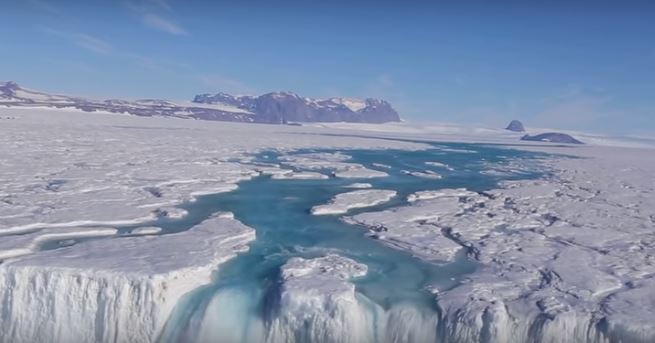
(279, 211)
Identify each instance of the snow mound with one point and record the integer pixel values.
(299, 176)
(359, 173)
(442, 193)
(344, 202)
(358, 185)
(428, 174)
(439, 165)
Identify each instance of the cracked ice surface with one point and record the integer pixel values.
(345, 202)
(73, 169)
(337, 162)
(62, 169)
(77, 175)
(566, 258)
(412, 228)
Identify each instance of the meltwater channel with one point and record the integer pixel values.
(239, 306)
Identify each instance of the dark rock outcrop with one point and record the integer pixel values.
(552, 137)
(515, 126)
(8, 89)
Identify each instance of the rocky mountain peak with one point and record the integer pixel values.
(515, 126)
(286, 106)
(9, 88)
(274, 108)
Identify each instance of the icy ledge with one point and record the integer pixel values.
(315, 301)
(125, 298)
(344, 202)
(318, 303)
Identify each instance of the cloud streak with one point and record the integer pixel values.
(101, 47)
(162, 4)
(82, 40)
(226, 84)
(92, 44)
(45, 7)
(157, 22)
(149, 13)
(385, 80)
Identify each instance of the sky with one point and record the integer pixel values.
(578, 65)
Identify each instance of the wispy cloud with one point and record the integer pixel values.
(573, 106)
(163, 4)
(157, 22)
(459, 80)
(227, 84)
(45, 7)
(101, 47)
(92, 43)
(575, 112)
(386, 87)
(383, 86)
(384, 80)
(149, 12)
(82, 40)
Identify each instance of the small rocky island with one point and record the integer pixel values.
(552, 137)
(515, 126)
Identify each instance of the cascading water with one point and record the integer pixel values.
(247, 302)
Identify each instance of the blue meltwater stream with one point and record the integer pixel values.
(240, 302)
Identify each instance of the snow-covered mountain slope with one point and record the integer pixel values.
(273, 108)
(13, 95)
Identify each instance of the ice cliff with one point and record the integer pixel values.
(55, 296)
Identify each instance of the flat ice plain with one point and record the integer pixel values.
(566, 258)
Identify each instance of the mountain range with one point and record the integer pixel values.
(270, 108)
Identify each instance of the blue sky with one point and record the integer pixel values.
(561, 64)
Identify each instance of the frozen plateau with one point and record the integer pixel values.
(117, 228)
